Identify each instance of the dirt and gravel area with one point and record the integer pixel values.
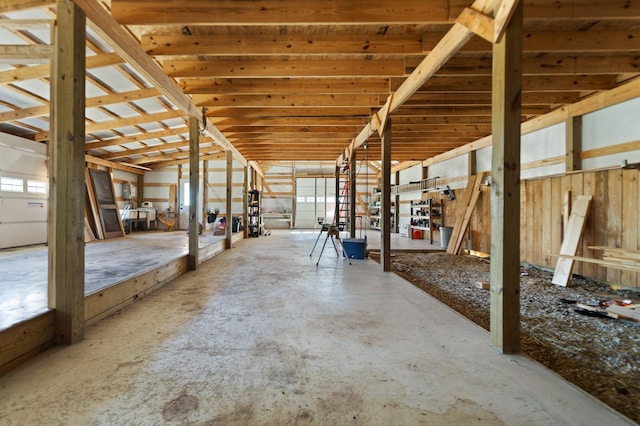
(600, 355)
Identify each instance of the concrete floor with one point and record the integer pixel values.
(24, 271)
(23, 289)
(260, 335)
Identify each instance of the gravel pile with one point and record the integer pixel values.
(600, 355)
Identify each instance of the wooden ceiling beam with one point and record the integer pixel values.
(408, 111)
(90, 103)
(267, 67)
(245, 136)
(562, 83)
(276, 86)
(287, 121)
(439, 120)
(43, 71)
(26, 24)
(277, 44)
(446, 48)
(484, 98)
(183, 131)
(123, 122)
(129, 49)
(288, 100)
(18, 5)
(553, 64)
(554, 42)
(283, 12)
(204, 142)
(299, 112)
(25, 54)
(299, 130)
(206, 157)
(356, 12)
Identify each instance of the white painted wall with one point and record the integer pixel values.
(450, 170)
(540, 145)
(23, 215)
(614, 125)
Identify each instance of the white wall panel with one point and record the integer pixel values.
(614, 125)
(483, 159)
(451, 169)
(23, 215)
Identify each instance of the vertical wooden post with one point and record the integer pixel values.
(294, 192)
(505, 193)
(336, 214)
(67, 189)
(229, 200)
(140, 187)
(396, 203)
(352, 194)
(179, 198)
(385, 199)
(205, 192)
(245, 202)
(472, 163)
(574, 143)
(194, 182)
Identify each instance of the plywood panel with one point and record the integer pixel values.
(599, 209)
(546, 225)
(25, 340)
(576, 191)
(614, 222)
(108, 300)
(629, 223)
(589, 233)
(524, 234)
(571, 241)
(555, 225)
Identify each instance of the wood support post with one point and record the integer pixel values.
(229, 228)
(140, 188)
(396, 203)
(352, 194)
(194, 181)
(574, 143)
(385, 199)
(245, 202)
(67, 182)
(336, 217)
(205, 192)
(472, 163)
(505, 193)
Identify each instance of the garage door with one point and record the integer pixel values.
(315, 197)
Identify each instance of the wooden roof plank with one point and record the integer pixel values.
(278, 44)
(275, 86)
(284, 68)
(229, 12)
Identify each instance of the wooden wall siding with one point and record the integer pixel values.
(613, 219)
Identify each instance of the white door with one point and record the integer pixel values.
(183, 196)
(315, 198)
(305, 203)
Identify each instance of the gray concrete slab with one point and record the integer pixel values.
(260, 335)
(24, 271)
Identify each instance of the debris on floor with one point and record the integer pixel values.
(576, 347)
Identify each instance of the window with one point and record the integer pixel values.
(311, 199)
(36, 186)
(320, 199)
(300, 199)
(11, 184)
